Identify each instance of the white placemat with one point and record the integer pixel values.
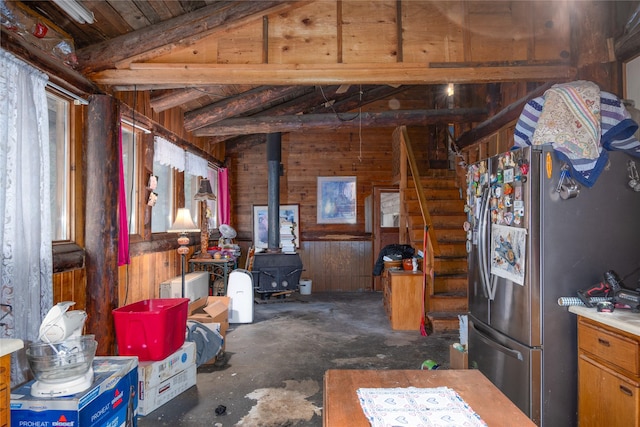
(417, 407)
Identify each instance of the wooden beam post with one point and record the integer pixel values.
(101, 219)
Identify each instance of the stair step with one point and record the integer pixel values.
(447, 249)
(443, 235)
(448, 221)
(433, 193)
(450, 265)
(453, 249)
(438, 207)
(434, 173)
(448, 302)
(450, 283)
(444, 322)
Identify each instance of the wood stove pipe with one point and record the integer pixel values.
(274, 143)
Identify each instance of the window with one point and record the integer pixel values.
(162, 212)
(130, 138)
(59, 147)
(175, 189)
(213, 204)
(389, 209)
(632, 82)
(191, 187)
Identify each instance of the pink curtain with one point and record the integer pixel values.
(123, 230)
(224, 208)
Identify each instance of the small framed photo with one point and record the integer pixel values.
(337, 200)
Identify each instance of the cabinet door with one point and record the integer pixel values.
(5, 383)
(606, 398)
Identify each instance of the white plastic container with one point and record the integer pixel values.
(240, 290)
(305, 287)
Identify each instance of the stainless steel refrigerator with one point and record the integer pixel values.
(534, 236)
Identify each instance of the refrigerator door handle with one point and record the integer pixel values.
(501, 348)
(482, 244)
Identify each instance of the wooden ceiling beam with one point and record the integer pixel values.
(166, 100)
(240, 104)
(324, 74)
(302, 104)
(183, 30)
(161, 100)
(300, 123)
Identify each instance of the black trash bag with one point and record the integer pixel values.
(208, 342)
(395, 251)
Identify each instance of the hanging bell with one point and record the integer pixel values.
(204, 192)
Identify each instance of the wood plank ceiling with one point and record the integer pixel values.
(244, 67)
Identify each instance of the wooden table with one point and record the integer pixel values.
(342, 408)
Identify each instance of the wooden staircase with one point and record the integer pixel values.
(447, 297)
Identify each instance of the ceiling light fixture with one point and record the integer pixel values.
(76, 10)
(450, 90)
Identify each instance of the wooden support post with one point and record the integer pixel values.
(101, 219)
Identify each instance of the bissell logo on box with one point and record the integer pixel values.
(62, 422)
(117, 398)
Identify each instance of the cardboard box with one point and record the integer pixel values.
(150, 399)
(111, 400)
(458, 359)
(211, 310)
(216, 309)
(152, 374)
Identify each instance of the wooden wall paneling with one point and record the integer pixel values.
(200, 52)
(369, 31)
(244, 42)
(304, 35)
(551, 39)
(70, 286)
(489, 22)
(141, 279)
(309, 155)
(432, 31)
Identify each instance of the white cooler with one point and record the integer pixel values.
(240, 290)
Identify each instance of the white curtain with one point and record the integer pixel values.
(25, 219)
(168, 154)
(195, 165)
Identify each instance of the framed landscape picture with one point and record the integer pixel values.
(288, 213)
(337, 200)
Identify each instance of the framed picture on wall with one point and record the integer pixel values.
(289, 216)
(337, 200)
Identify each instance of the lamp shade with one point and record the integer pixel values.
(183, 222)
(204, 192)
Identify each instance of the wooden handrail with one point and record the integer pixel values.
(401, 134)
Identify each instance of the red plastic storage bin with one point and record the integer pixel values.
(151, 329)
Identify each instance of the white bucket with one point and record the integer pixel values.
(305, 287)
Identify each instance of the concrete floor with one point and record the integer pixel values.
(272, 371)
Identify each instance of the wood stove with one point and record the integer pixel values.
(274, 271)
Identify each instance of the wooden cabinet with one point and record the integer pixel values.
(402, 297)
(608, 376)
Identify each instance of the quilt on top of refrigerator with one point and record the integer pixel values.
(582, 123)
